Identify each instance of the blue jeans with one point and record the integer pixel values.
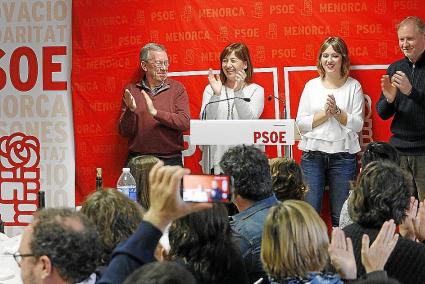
(335, 170)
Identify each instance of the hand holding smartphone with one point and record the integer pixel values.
(207, 188)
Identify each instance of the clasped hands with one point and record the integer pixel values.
(398, 81)
(130, 102)
(216, 83)
(331, 108)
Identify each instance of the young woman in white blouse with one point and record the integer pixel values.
(239, 97)
(330, 115)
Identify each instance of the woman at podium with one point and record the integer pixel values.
(330, 115)
(230, 95)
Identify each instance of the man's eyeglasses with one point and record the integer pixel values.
(19, 256)
(160, 64)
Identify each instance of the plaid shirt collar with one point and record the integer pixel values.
(165, 85)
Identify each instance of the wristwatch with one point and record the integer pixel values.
(338, 111)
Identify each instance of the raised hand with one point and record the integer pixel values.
(420, 223)
(389, 90)
(151, 108)
(166, 202)
(342, 255)
(129, 100)
(215, 82)
(240, 80)
(330, 106)
(400, 80)
(375, 257)
(407, 227)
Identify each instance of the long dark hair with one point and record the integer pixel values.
(203, 241)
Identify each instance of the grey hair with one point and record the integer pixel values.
(418, 22)
(144, 52)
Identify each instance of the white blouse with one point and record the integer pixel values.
(331, 136)
(228, 110)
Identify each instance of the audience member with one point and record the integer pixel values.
(60, 246)
(330, 114)
(375, 151)
(166, 272)
(287, 179)
(253, 197)
(383, 192)
(116, 217)
(231, 96)
(140, 167)
(295, 247)
(166, 205)
(203, 242)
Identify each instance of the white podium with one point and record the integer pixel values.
(235, 132)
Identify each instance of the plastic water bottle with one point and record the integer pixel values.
(127, 185)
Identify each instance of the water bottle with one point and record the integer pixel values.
(127, 185)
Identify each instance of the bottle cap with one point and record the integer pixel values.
(126, 170)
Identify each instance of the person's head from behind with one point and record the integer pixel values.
(165, 272)
(250, 170)
(140, 167)
(235, 57)
(116, 218)
(203, 241)
(333, 58)
(380, 151)
(154, 62)
(411, 37)
(295, 241)
(61, 245)
(382, 192)
(287, 179)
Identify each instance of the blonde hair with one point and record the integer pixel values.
(295, 241)
(140, 167)
(116, 218)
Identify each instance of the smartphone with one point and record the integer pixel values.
(207, 188)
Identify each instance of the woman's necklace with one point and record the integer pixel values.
(228, 103)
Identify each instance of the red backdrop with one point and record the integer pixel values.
(107, 37)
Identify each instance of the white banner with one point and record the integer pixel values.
(234, 132)
(36, 130)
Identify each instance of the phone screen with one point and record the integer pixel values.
(206, 188)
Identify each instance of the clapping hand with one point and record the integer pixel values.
(420, 223)
(342, 255)
(240, 80)
(151, 108)
(388, 89)
(129, 100)
(407, 226)
(375, 257)
(215, 82)
(330, 106)
(400, 80)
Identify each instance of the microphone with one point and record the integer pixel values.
(270, 97)
(204, 112)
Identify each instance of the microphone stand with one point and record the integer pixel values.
(204, 116)
(204, 112)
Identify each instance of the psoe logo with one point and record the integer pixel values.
(20, 178)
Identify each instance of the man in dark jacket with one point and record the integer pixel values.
(403, 98)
